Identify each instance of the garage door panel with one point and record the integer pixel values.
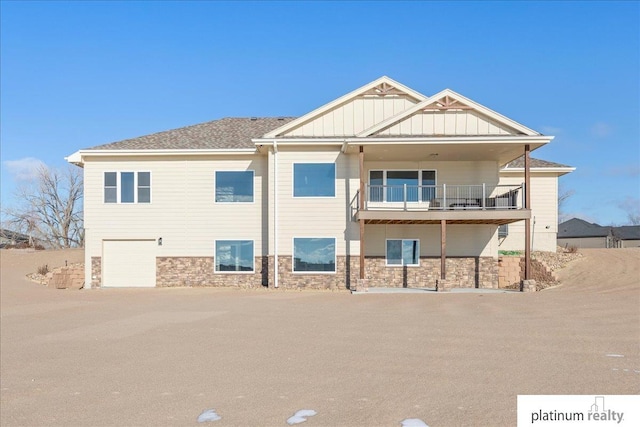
(129, 263)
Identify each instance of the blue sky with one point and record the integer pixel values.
(79, 74)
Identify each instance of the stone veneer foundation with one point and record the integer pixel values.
(199, 271)
(96, 271)
(462, 272)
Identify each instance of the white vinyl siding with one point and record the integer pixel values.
(326, 216)
(128, 263)
(544, 213)
(183, 211)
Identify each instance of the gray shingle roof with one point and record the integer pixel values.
(627, 232)
(227, 133)
(576, 227)
(535, 163)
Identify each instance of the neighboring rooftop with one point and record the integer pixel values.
(576, 227)
(535, 163)
(226, 133)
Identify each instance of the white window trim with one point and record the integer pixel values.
(119, 187)
(384, 180)
(335, 180)
(215, 253)
(386, 258)
(253, 185)
(335, 255)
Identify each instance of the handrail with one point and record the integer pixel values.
(444, 196)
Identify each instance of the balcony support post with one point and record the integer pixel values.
(527, 205)
(361, 208)
(443, 249)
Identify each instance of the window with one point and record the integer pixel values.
(503, 231)
(389, 185)
(110, 187)
(314, 255)
(234, 256)
(234, 186)
(144, 187)
(314, 180)
(135, 187)
(401, 252)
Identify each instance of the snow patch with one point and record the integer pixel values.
(301, 416)
(413, 422)
(614, 355)
(209, 415)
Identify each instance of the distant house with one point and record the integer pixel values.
(582, 234)
(8, 237)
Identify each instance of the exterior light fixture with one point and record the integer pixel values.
(159, 241)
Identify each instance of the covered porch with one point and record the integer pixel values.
(416, 202)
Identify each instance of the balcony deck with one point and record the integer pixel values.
(430, 204)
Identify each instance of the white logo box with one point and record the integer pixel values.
(550, 410)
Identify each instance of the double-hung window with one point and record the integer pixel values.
(234, 186)
(127, 187)
(234, 256)
(403, 252)
(314, 255)
(314, 180)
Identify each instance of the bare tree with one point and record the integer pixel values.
(563, 195)
(49, 208)
(631, 205)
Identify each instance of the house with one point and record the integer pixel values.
(382, 186)
(582, 234)
(10, 238)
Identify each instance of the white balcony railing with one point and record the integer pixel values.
(442, 197)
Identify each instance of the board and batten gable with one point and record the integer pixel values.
(353, 117)
(182, 210)
(450, 123)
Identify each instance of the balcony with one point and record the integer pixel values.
(469, 204)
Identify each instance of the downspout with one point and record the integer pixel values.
(275, 213)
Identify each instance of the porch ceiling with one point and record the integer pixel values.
(500, 152)
(494, 217)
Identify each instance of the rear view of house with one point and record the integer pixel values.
(382, 186)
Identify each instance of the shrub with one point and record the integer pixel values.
(43, 269)
(572, 249)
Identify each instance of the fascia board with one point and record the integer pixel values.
(343, 99)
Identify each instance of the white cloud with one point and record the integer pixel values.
(601, 130)
(25, 169)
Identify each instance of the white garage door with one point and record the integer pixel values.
(129, 263)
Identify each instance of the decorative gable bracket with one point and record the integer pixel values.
(447, 103)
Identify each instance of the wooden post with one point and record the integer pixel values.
(361, 208)
(443, 249)
(527, 205)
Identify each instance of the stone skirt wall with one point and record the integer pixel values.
(199, 271)
(462, 272)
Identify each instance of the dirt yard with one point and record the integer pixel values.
(163, 356)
